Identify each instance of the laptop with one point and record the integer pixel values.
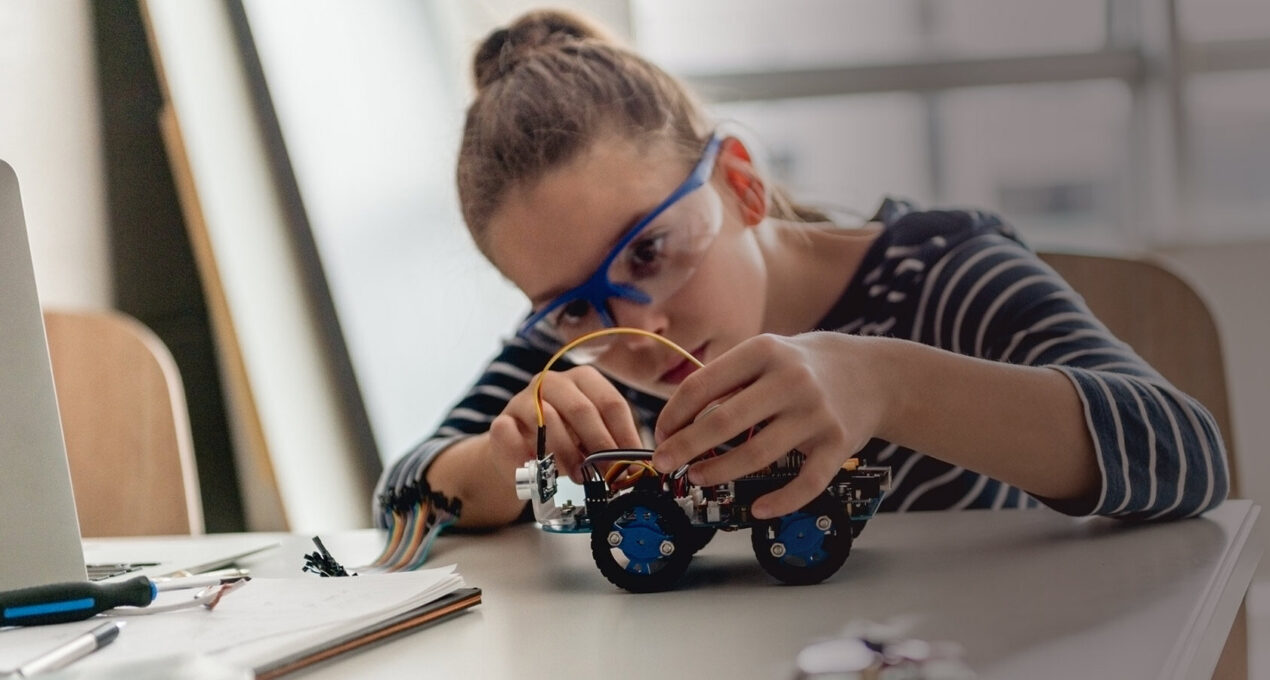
(39, 531)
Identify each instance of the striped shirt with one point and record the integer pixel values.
(961, 281)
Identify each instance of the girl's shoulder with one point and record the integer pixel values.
(906, 224)
(888, 282)
(916, 235)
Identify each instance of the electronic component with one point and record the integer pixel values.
(646, 526)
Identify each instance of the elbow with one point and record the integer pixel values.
(1203, 481)
(1213, 467)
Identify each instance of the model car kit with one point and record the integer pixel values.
(646, 525)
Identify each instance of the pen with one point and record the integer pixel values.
(210, 578)
(76, 648)
(72, 601)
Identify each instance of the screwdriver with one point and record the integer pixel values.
(72, 601)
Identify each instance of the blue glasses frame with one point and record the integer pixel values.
(597, 290)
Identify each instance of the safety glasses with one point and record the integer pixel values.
(650, 262)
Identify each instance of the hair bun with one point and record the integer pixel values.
(505, 48)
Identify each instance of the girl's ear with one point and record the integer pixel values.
(742, 177)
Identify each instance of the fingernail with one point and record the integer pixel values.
(760, 511)
(694, 476)
(658, 435)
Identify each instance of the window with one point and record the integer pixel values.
(1088, 124)
(1230, 153)
(371, 115)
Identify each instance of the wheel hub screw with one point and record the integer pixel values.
(666, 548)
(615, 538)
(778, 550)
(824, 523)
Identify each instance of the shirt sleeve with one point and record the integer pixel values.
(507, 374)
(1160, 453)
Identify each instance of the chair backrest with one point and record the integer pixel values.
(1163, 319)
(126, 426)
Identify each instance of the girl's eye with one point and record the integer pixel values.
(645, 255)
(573, 313)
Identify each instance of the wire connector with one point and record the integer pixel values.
(322, 563)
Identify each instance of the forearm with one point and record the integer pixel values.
(465, 470)
(1022, 425)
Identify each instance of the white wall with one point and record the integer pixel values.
(50, 134)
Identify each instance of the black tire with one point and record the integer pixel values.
(857, 525)
(643, 520)
(807, 554)
(700, 537)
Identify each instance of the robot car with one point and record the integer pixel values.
(646, 525)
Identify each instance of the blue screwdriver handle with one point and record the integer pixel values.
(73, 601)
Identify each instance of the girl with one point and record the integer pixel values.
(931, 342)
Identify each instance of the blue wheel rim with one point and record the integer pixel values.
(804, 543)
(642, 537)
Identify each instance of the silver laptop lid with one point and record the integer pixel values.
(39, 533)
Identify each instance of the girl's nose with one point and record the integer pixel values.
(647, 317)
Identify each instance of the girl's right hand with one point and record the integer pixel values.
(584, 413)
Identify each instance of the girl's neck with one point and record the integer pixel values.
(809, 267)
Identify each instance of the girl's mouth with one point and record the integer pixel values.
(680, 371)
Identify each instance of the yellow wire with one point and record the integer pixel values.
(614, 471)
(591, 336)
(398, 528)
(421, 518)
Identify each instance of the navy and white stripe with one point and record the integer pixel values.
(962, 281)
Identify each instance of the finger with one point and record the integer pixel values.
(561, 442)
(716, 425)
(613, 408)
(760, 451)
(580, 415)
(721, 377)
(812, 481)
(512, 441)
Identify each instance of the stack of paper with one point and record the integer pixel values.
(264, 624)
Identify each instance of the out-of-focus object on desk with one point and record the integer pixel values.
(1168, 324)
(867, 650)
(126, 425)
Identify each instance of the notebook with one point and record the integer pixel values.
(274, 626)
(39, 531)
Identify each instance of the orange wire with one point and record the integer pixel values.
(415, 539)
(398, 528)
(591, 336)
(614, 470)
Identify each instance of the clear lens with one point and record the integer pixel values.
(667, 251)
(655, 259)
(568, 322)
(589, 351)
(657, 262)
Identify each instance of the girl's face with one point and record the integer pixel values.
(552, 235)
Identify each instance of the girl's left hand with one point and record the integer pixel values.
(816, 392)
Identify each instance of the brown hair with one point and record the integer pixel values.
(547, 86)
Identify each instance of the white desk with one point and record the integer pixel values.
(1029, 594)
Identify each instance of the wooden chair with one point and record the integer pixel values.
(1162, 318)
(126, 426)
